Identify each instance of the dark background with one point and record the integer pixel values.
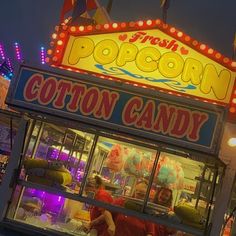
(31, 22)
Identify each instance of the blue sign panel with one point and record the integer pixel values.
(117, 108)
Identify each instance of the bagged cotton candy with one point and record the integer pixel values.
(170, 173)
(115, 158)
(133, 163)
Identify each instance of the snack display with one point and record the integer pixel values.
(133, 163)
(189, 215)
(146, 164)
(169, 173)
(127, 176)
(47, 172)
(115, 158)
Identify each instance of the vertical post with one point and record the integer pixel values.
(210, 201)
(80, 155)
(200, 186)
(7, 186)
(151, 180)
(87, 168)
(63, 143)
(29, 136)
(37, 140)
(223, 198)
(165, 4)
(234, 47)
(109, 6)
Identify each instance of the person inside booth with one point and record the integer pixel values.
(102, 223)
(164, 197)
(130, 225)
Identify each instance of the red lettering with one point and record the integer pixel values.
(129, 115)
(107, 104)
(147, 37)
(142, 37)
(89, 101)
(63, 89)
(198, 120)
(32, 87)
(181, 123)
(155, 41)
(146, 117)
(163, 43)
(136, 36)
(172, 45)
(76, 92)
(164, 118)
(48, 91)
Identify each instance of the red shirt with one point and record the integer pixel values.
(132, 226)
(104, 196)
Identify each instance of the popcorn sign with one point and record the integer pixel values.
(150, 54)
(117, 108)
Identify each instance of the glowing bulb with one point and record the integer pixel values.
(59, 42)
(81, 28)
(106, 26)
(149, 22)
(54, 36)
(232, 142)
(202, 46)
(140, 23)
(114, 25)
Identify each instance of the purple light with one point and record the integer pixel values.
(52, 153)
(2, 53)
(42, 55)
(51, 202)
(18, 51)
(9, 64)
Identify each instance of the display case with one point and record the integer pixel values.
(52, 194)
(9, 122)
(128, 152)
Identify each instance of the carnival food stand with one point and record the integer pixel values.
(9, 122)
(127, 123)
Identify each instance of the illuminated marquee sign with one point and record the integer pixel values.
(148, 54)
(85, 99)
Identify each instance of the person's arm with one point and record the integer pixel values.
(110, 223)
(97, 220)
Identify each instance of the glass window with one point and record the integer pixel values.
(122, 169)
(134, 177)
(8, 127)
(50, 212)
(57, 156)
(182, 190)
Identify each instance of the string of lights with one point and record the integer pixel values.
(43, 55)
(2, 53)
(18, 51)
(6, 62)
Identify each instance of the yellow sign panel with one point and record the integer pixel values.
(151, 58)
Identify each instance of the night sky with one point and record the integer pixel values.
(31, 22)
